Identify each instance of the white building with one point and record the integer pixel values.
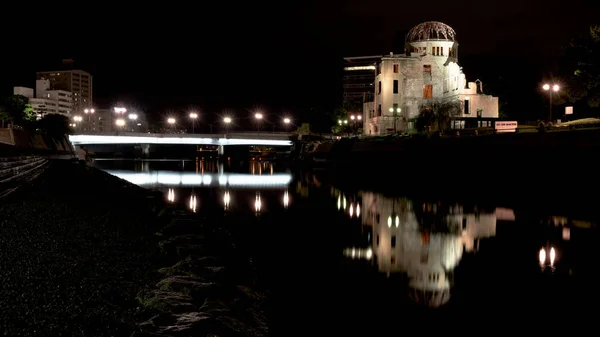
(427, 73)
(46, 100)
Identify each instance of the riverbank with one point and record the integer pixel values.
(80, 256)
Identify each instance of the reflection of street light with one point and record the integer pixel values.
(555, 88)
(193, 116)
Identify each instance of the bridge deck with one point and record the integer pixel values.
(246, 138)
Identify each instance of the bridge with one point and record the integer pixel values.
(240, 138)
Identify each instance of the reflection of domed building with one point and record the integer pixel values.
(401, 244)
(427, 74)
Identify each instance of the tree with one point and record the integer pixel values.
(17, 111)
(54, 125)
(580, 68)
(437, 114)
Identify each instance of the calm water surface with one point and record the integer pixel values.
(355, 262)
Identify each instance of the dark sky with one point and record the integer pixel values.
(275, 55)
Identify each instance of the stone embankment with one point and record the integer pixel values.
(77, 245)
(208, 288)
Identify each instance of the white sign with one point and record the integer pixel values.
(569, 110)
(506, 126)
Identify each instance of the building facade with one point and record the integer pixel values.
(426, 75)
(47, 101)
(77, 82)
(359, 76)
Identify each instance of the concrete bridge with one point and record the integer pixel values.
(240, 138)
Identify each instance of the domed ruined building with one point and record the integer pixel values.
(427, 74)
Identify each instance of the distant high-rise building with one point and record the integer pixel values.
(359, 78)
(45, 100)
(78, 82)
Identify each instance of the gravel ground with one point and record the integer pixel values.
(76, 246)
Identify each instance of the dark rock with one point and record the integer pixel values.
(193, 287)
(182, 227)
(183, 324)
(166, 301)
(147, 334)
(202, 267)
(179, 245)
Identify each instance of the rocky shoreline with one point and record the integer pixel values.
(83, 253)
(208, 290)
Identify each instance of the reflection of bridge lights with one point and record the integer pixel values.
(397, 221)
(257, 203)
(389, 222)
(344, 203)
(171, 195)
(351, 210)
(193, 203)
(544, 256)
(226, 199)
(357, 210)
(286, 199)
(359, 253)
(339, 202)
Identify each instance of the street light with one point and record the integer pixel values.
(396, 112)
(555, 88)
(227, 121)
(258, 116)
(287, 121)
(120, 110)
(193, 116)
(77, 118)
(133, 116)
(120, 122)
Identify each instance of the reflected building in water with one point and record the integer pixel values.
(424, 241)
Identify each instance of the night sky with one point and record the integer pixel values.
(278, 56)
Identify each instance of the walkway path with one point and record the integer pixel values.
(75, 248)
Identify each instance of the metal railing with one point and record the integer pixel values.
(16, 170)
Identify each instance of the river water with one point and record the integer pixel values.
(348, 261)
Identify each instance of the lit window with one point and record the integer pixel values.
(396, 68)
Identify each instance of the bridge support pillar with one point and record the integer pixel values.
(145, 150)
(235, 152)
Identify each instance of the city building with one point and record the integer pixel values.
(110, 120)
(426, 75)
(45, 100)
(359, 76)
(77, 82)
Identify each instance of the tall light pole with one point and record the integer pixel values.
(395, 115)
(551, 88)
(193, 116)
(227, 121)
(258, 116)
(89, 113)
(171, 122)
(133, 117)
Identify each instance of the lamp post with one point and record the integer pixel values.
(227, 121)
(550, 88)
(395, 116)
(89, 113)
(171, 122)
(193, 116)
(133, 118)
(258, 116)
(286, 123)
